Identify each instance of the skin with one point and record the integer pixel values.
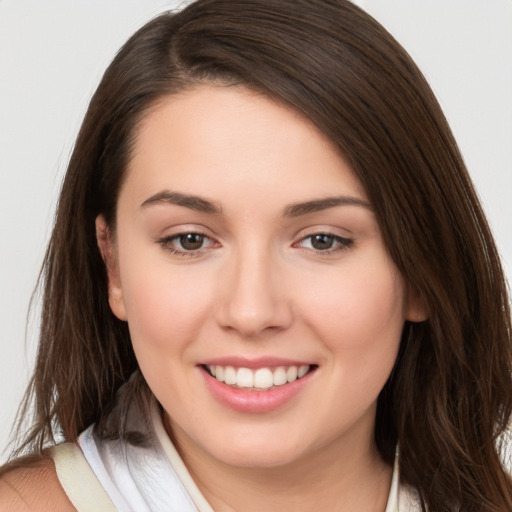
(34, 487)
(258, 286)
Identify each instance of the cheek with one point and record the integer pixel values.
(359, 311)
(165, 307)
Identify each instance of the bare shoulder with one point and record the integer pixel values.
(31, 487)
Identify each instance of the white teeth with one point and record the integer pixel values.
(230, 375)
(291, 374)
(280, 376)
(244, 378)
(263, 378)
(302, 371)
(260, 379)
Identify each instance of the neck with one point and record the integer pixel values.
(343, 476)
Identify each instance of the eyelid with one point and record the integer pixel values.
(166, 240)
(340, 242)
(343, 243)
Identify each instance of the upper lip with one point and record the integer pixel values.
(260, 362)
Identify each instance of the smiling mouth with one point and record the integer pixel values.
(261, 379)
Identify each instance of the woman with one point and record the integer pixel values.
(270, 284)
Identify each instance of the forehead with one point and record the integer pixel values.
(225, 141)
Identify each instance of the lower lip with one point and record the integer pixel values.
(248, 401)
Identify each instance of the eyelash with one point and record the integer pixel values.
(167, 241)
(342, 244)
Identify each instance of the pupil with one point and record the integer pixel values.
(322, 242)
(191, 241)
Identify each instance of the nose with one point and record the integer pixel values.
(254, 297)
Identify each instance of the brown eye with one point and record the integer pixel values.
(189, 244)
(322, 242)
(191, 241)
(325, 243)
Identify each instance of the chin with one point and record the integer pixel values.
(258, 458)
(271, 452)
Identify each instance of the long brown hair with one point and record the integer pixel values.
(449, 397)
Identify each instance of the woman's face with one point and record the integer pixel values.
(264, 310)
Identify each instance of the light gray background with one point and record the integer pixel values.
(52, 56)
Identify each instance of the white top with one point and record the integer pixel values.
(115, 476)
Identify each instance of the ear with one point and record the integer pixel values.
(416, 309)
(108, 254)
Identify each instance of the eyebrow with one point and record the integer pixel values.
(317, 205)
(188, 201)
(293, 210)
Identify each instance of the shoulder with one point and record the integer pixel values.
(33, 486)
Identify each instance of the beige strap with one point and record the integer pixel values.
(78, 480)
(178, 464)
